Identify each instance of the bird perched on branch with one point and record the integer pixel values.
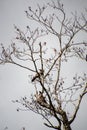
(41, 72)
(41, 98)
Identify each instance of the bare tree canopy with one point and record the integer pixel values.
(52, 98)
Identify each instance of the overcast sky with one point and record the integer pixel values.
(14, 81)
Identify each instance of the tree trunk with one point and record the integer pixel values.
(66, 127)
(66, 124)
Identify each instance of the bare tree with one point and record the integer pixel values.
(51, 97)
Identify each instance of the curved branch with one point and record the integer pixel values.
(78, 105)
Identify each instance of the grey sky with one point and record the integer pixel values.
(14, 81)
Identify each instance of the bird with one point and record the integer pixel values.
(41, 98)
(41, 72)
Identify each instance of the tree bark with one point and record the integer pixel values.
(67, 127)
(66, 124)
